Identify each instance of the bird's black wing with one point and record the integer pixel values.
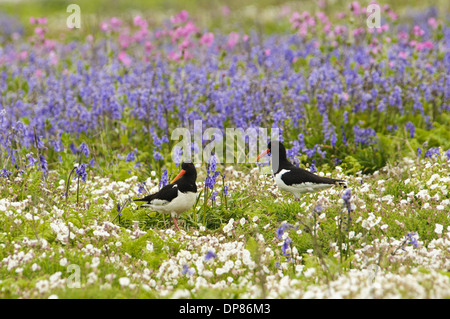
(167, 193)
(299, 175)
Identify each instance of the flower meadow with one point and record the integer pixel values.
(86, 122)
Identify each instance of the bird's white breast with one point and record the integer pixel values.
(178, 205)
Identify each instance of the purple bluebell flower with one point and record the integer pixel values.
(84, 149)
(213, 163)
(141, 188)
(432, 151)
(119, 209)
(347, 197)
(364, 136)
(411, 129)
(157, 156)
(164, 179)
(212, 173)
(5, 173)
(43, 162)
(318, 208)
(177, 155)
(81, 172)
(392, 128)
(313, 168)
(419, 152)
(286, 244)
(282, 229)
(130, 157)
(411, 239)
(187, 271)
(73, 148)
(210, 255)
(40, 144)
(31, 160)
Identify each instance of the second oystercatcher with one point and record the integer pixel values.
(177, 197)
(292, 179)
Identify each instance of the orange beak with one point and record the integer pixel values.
(267, 151)
(178, 176)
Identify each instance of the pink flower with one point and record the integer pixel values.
(124, 40)
(424, 45)
(184, 45)
(340, 29)
(39, 31)
(321, 16)
(50, 44)
(294, 17)
(23, 55)
(115, 23)
(355, 7)
(124, 58)
(358, 31)
(53, 58)
(384, 27)
(245, 38)
(417, 31)
(432, 22)
(207, 39)
(174, 56)
(104, 26)
(303, 30)
(38, 73)
(32, 20)
(403, 55)
(140, 35)
(41, 20)
(139, 22)
(225, 11)
(267, 52)
(189, 28)
(403, 35)
(233, 39)
(181, 17)
(341, 15)
(148, 46)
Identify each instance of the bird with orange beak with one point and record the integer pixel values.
(177, 197)
(292, 179)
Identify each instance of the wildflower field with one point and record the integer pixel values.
(86, 122)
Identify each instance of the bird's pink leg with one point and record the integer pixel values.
(175, 221)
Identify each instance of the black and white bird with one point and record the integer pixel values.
(177, 197)
(292, 179)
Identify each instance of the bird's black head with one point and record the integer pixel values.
(276, 147)
(189, 168)
(188, 172)
(278, 152)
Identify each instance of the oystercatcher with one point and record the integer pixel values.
(292, 179)
(177, 197)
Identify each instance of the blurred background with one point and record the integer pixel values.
(261, 15)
